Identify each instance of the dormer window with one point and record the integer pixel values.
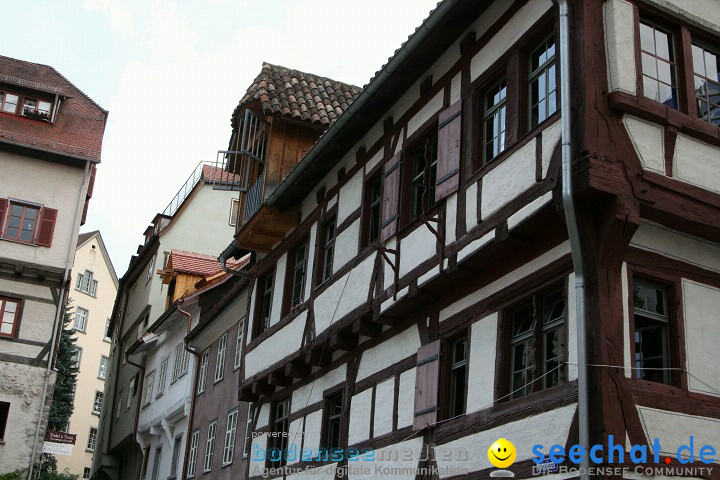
(32, 107)
(8, 102)
(35, 108)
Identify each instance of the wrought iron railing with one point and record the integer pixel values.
(253, 200)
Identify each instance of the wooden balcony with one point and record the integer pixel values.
(265, 228)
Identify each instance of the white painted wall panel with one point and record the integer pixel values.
(326, 472)
(278, 293)
(360, 408)
(425, 113)
(626, 322)
(673, 430)
(703, 13)
(406, 398)
(455, 91)
(388, 353)
(346, 294)
(396, 462)
(649, 142)
(384, 401)
(296, 434)
(268, 353)
(550, 139)
(350, 197)
(450, 218)
(311, 260)
(388, 273)
(263, 416)
(471, 213)
(257, 462)
(481, 377)
(674, 244)
(701, 304)
(619, 23)
(313, 392)
(313, 425)
(528, 210)
(475, 245)
(508, 180)
(374, 160)
(346, 245)
(417, 247)
(696, 162)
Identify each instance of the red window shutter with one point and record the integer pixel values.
(390, 197)
(47, 227)
(85, 210)
(426, 385)
(3, 209)
(91, 183)
(448, 162)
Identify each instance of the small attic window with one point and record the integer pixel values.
(32, 107)
(36, 108)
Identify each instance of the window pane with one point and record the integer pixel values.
(662, 45)
(698, 60)
(10, 104)
(647, 39)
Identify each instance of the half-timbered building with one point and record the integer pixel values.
(417, 297)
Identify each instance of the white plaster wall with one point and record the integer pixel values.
(471, 213)
(278, 293)
(332, 201)
(346, 245)
(268, 353)
(312, 238)
(626, 322)
(313, 425)
(696, 162)
(388, 273)
(426, 112)
(53, 186)
(374, 161)
(397, 462)
(619, 26)
(549, 428)
(701, 304)
(680, 246)
(296, 434)
(399, 145)
(346, 294)
(673, 430)
(455, 89)
(256, 463)
(475, 245)
(528, 210)
(311, 393)
(703, 13)
(350, 197)
(550, 139)
(263, 416)
(406, 398)
(649, 142)
(507, 280)
(384, 401)
(37, 317)
(326, 472)
(450, 218)
(417, 247)
(388, 353)
(508, 180)
(481, 376)
(508, 35)
(360, 408)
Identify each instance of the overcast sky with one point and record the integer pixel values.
(171, 72)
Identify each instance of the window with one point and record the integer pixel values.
(537, 344)
(156, 463)
(706, 65)
(494, 108)
(86, 472)
(150, 268)
(248, 432)
(373, 204)
(220, 359)
(119, 403)
(131, 392)
(278, 443)
(230, 433)
(81, 316)
(299, 273)
(92, 438)
(148, 387)
(652, 331)
(182, 358)
(162, 377)
(542, 82)
(332, 421)
(234, 211)
(264, 301)
(458, 369)
(175, 456)
(209, 447)
(657, 55)
(8, 102)
(9, 317)
(86, 284)
(21, 223)
(35, 108)
(102, 370)
(192, 458)
(328, 250)
(239, 343)
(4, 414)
(108, 333)
(202, 373)
(76, 359)
(97, 404)
(422, 161)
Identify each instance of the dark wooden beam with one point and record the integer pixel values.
(279, 379)
(318, 358)
(343, 341)
(246, 395)
(262, 388)
(365, 327)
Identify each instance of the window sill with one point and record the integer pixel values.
(97, 414)
(12, 240)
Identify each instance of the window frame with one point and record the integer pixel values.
(247, 442)
(239, 343)
(264, 301)
(162, 377)
(89, 286)
(531, 75)
(193, 452)
(408, 175)
(485, 114)
(20, 107)
(95, 401)
(148, 387)
(92, 440)
(202, 371)
(334, 393)
(102, 375)
(220, 358)
(370, 205)
(675, 51)
(447, 366)
(229, 443)
(77, 358)
(700, 42)
(35, 226)
(533, 299)
(15, 329)
(326, 247)
(290, 302)
(279, 441)
(209, 456)
(84, 322)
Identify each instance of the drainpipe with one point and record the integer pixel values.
(139, 389)
(223, 258)
(59, 314)
(573, 234)
(194, 386)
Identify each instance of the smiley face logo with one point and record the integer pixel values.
(502, 453)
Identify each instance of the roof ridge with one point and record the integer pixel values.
(311, 74)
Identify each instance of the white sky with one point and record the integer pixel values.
(171, 72)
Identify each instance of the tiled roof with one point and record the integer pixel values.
(84, 237)
(210, 173)
(298, 95)
(80, 122)
(197, 263)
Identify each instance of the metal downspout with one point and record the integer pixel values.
(59, 314)
(188, 436)
(223, 258)
(573, 234)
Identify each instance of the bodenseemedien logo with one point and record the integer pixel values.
(502, 454)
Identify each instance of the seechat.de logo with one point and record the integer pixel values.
(502, 454)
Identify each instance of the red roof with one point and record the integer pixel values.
(210, 173)
(198, 264)
(79, 124)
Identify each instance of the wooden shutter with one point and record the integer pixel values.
(426, 385)
(91, 183)
(390, 197)
(448, 162)
(3, 209)
(46, 227)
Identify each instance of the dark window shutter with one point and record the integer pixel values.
(390, 197)
(3, 209)
(448, 163)
(426, 385)
(47, 227)
(85, 210)
(91, 183)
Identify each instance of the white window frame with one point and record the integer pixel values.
(192, 458)
(77, 358)
(92, 439)
(202, 372)
(239, 343)
(234, 205)
(148, 388)
(95, 402)
(248, 440)
(162, 377)
(220, 359)
(81, 319)
(107, 338)
(182, 358)
(86, 284)
(102, 372)
(230, 434)
(210, 446)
